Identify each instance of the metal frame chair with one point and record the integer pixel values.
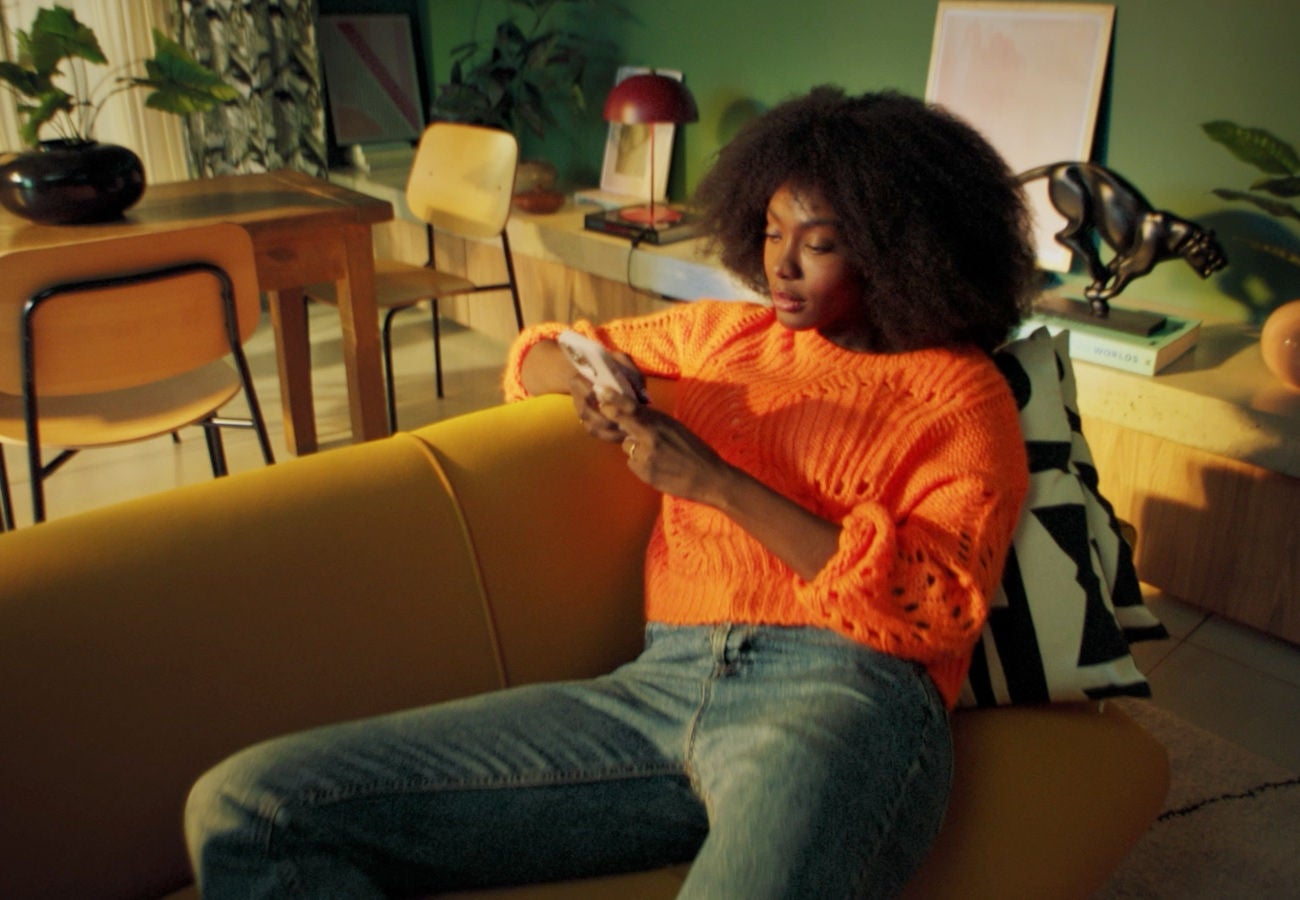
(127, 339)
(461, 183)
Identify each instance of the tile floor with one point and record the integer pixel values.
(1221, 676)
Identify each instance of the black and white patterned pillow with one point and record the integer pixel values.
(1069, 604)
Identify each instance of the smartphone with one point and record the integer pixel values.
(597, 365)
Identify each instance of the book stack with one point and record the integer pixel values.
(1143, 354)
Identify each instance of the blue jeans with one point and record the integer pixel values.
(786, 762)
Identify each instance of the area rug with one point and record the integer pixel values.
(1231, 825)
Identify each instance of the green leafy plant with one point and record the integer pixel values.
(69, 104)
(1279, 163)
(518, 80)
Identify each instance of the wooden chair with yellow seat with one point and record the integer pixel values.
(461, 183)
(126, 339)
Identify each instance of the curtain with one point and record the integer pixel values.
(267, 49)
(125, 34)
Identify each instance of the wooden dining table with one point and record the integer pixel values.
(304, 230)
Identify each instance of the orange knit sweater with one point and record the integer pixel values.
(917, 456)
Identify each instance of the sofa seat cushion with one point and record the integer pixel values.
(1046, 802)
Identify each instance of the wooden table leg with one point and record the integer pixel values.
(293, 351)
(360, 325)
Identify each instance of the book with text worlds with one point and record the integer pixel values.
(1120, 350)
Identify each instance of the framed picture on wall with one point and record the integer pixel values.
(626, 168)
(1029, 76)
(371, 77)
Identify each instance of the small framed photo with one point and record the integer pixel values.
(627, 151)
(1029, 76)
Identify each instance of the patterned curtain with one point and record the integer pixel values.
(267, 49)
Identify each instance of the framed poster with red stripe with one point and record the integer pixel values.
(371, 77)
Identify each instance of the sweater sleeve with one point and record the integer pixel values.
(915, 580)
(662, 344)
(512, 382)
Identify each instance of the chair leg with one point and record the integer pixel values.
(36, 468)
(6, 499)
(254, 406)
(386, 336)
(437, 347)
(514, 285)
(263, 438)
(216, 448)
(387, 342)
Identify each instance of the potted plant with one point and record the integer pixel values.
(1280, 164)
(525, 74)
(71, 177)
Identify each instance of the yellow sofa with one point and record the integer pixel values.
(141, 643)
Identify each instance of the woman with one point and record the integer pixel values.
(841, 475)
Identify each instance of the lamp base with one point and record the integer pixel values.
(663, 230)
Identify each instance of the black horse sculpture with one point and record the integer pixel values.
(1091, 196)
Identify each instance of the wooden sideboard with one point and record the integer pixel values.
(1222, 534)
(1204, 458)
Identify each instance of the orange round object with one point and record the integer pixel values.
(1279, 342)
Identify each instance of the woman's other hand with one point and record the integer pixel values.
(588, 404)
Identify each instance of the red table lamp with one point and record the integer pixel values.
(648, 99)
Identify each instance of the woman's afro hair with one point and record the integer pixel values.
(927, 212)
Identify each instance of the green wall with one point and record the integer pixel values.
(1174, 64)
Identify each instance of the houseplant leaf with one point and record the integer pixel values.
(26, 81)
(180, 84)
(48, 105)
(517, 78)
(56, 35)
(1280, 252)
(1272, 207)
(1279, 187)
(1256, 146)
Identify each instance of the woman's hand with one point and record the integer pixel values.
(663, 452)
(672, 459)
(588, 404)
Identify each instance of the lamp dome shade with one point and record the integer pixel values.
(645, 98)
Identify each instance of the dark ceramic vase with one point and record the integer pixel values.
(71, 182)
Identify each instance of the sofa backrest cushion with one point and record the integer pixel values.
(143, 642)
(559, 526)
